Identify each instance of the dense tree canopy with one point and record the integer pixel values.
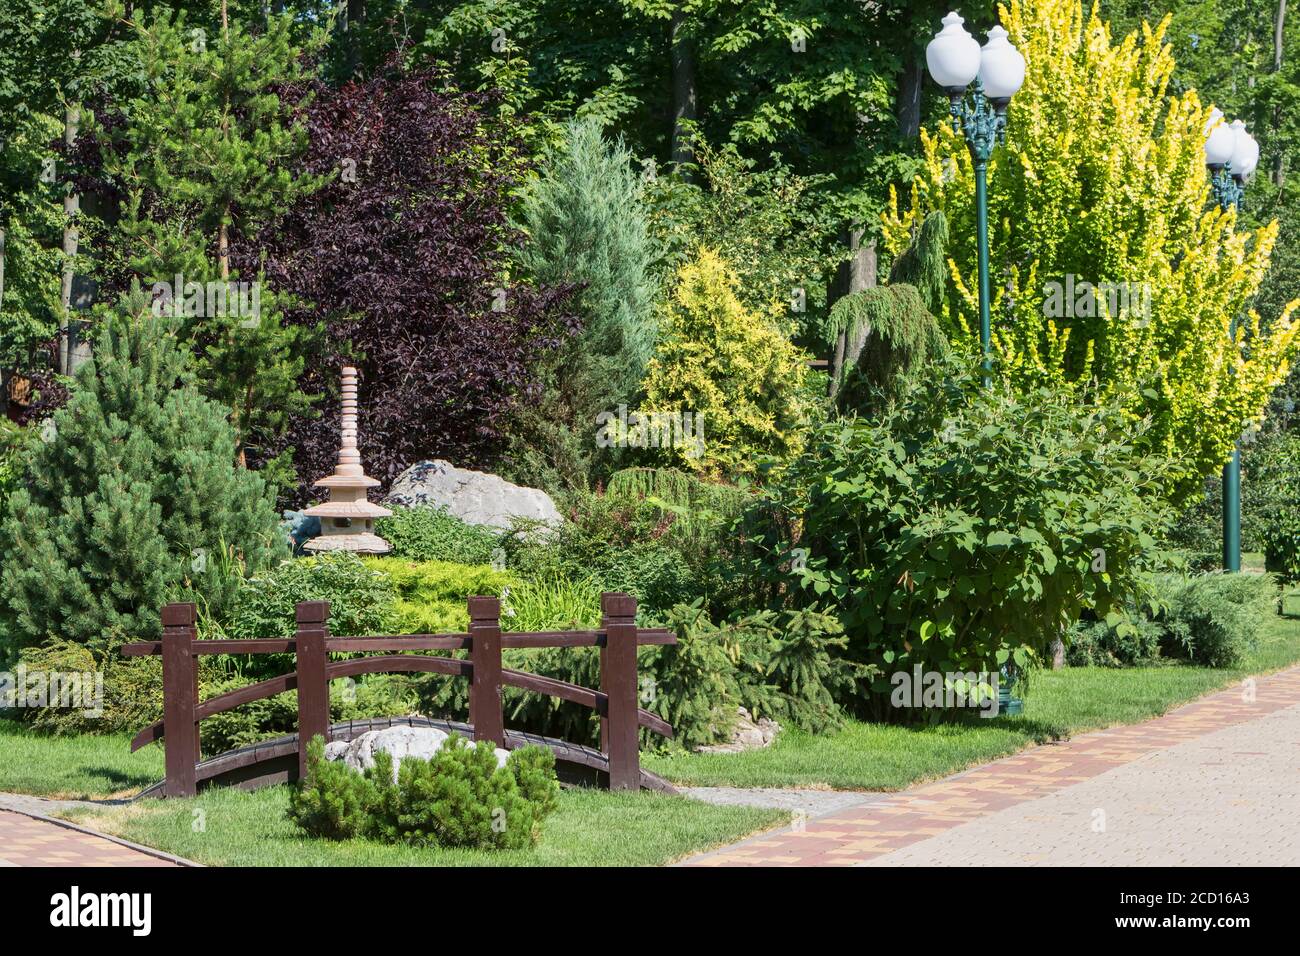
(1115, 268)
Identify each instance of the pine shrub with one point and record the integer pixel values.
(119, 510)
(459, 797)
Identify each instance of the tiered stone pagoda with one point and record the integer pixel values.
(347, 520)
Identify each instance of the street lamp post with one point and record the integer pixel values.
(1231, 154)
(955, 60)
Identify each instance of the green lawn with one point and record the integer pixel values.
(878, 757)
(590, 828)
(74, 767)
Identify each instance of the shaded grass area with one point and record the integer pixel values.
(76, 767)
(590, 828)
(1060, 703)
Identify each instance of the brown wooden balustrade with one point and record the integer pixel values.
(618, 638)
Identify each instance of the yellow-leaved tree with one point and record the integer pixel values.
(731, 370)
(1113, 270)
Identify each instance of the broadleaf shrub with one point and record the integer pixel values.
(434, 534)
(362, 599)
(966, 529)
(1275, 471)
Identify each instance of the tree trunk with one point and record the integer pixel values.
(353, 16)
(683, 64)
(858, 273)
(1279, 26)
(908, 105)
(223, 249)
(71, 207)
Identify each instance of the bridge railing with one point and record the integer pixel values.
(616, 701)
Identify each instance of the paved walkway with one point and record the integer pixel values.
(28, 841)
(1216, 782)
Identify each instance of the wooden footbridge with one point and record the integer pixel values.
(615, 765)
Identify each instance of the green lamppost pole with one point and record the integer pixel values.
(955, 61)
(1231, 154)
(997, 70)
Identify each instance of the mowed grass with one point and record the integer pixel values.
(77, 767)
(1059, 704)
(229, 827)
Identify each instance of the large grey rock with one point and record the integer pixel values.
(474, 497)
(397, 742)
(746, 734)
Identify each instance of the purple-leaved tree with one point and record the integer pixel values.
(403, 258)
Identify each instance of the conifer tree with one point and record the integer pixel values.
(204, 154)
(134, 499)
(587, 228)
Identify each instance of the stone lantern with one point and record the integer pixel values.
(347, 520)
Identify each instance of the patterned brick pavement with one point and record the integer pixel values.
(861, 834)
(25, 841)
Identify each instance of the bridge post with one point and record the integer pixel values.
(313, 684)
(618, 729)
(180, 698)
(485, 684)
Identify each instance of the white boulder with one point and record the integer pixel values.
(474, 497)
(398, 742)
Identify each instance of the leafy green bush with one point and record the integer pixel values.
(1272, 502)
(966, 529)
(434, 534)
(457, 798)
(1214, 619)
(660, 535)
(1197, 533)
(431, 594)
(362, 599)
